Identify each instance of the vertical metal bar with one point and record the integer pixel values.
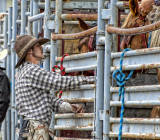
(23, 16)
(39, 26)
(47, 33)
(31, 14)
(35, 23)
(58, 22)
(8, 70)
(23, 32)
(53, 54)
(31, 7)
(114, 22)
(55, 45)
(107, 84)
(100, 72)
(14, 32)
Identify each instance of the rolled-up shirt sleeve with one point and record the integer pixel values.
(53, 81)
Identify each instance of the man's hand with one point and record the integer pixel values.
(77, 108)
(146, 6)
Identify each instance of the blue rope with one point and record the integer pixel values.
(121, 80)
(149, 39)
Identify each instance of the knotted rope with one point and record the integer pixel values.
(121, 80)
(61, 69)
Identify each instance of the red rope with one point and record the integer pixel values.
(62, 70)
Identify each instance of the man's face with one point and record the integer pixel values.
(38, 52)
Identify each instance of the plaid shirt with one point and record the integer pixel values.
(32, 88)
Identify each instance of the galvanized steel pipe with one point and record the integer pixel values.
(23, 16)
(79, 100)
(135, 103)
(100, 73)
(35, 24)
(13, 59)
(107, 84)
(137, 67)
(73, 115)
(137, 88)
(153, 50)
(8, 70)
(78, 56)
(136, 135)
(47, 33)
(36, 17)
(155, 121)
(78, 128)
(84, 68)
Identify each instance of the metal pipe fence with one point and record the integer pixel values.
(103, 94)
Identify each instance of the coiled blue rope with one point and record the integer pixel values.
(121, 80)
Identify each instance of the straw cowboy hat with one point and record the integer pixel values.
(24, 43)
(3, 54)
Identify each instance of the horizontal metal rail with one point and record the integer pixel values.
(134, 31)
(74, 36)
(135, 103)
(136, 135)
(84, 68)
(80, 100)
(148, 121)
(1, 36)
(136, 67)
(89, 17)
(18, 21)
(73, 115)
(79, 128)
(71, 5)
(36, 17)
(61, 138)
(137, 88)
(27, 13)
(137, 52)
(77, 56)
(1, 40)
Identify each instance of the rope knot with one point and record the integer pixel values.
(120, 77)
(121, 80)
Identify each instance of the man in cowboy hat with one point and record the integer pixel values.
(33, 85)
(4, 89)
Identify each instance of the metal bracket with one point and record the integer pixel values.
(50, 24)
(106, 14)
(101, 116)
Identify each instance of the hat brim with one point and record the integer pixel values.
(41, 41)
(3, 54)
